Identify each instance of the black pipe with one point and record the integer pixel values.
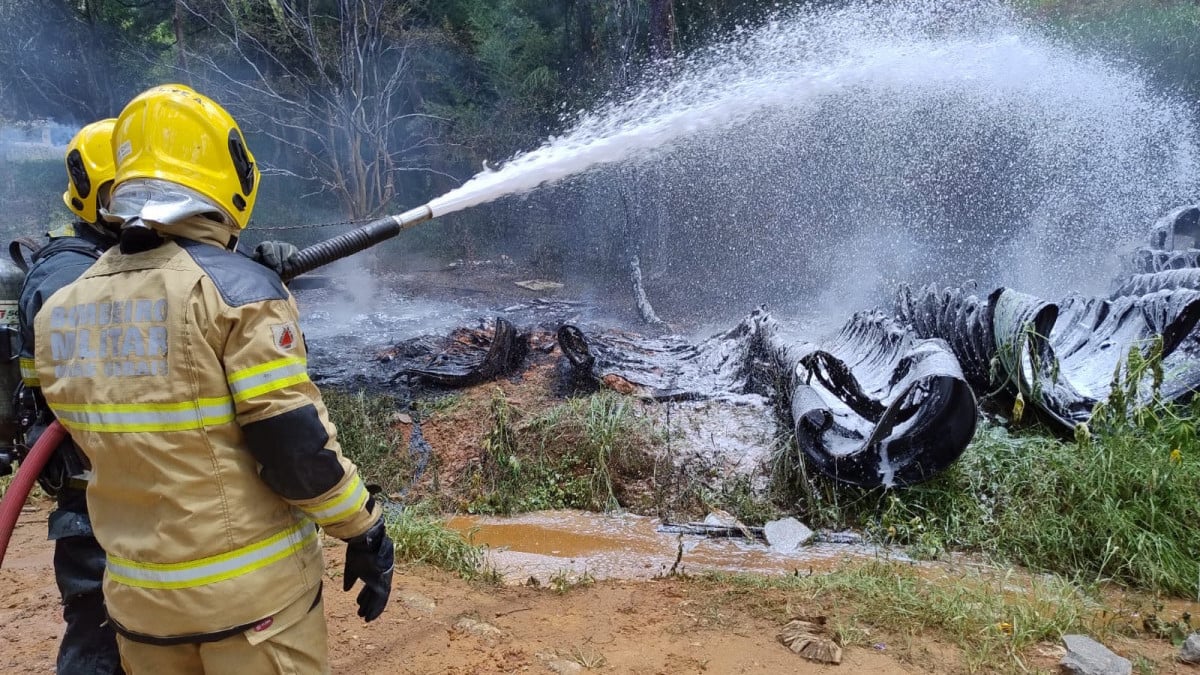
(358, 239)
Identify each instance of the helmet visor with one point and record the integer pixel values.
(161, 201)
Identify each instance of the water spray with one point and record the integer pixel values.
(813, 160)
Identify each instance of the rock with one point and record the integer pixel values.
(564, 667)
(807, 639)
(421, 603)
(479, 629)
(1190, 651)
(787, 535)
(557, 664)
(1085, 656)
(722, 519)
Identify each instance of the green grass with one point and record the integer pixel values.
(1120, 503)
(365, 431)
(421, 536)
(441, 405)
(578, 454)
(992, 617)
(565, 580)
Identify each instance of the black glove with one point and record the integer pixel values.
(276, 255)
(370, 557)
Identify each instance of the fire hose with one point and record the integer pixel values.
(22, 483)
(305, 260)
(355, 240)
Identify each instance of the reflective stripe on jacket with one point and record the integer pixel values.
(182, 374)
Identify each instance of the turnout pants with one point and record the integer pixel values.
(89, 644)
(292, 642)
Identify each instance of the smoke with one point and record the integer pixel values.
(816, 161)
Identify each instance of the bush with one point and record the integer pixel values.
(1121, 502)
(365, 431)
(578, 454)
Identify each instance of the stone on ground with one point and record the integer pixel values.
(808, 639)
(1085, 656)
(721, 518)
(787, 535)
(1190, 651)
(564, 667)
(479, 629)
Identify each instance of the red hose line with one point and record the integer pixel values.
(18, 490)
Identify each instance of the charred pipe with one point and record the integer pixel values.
(355, 240)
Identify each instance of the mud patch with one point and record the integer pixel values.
(579, 544)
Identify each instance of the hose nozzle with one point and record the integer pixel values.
(355, 240)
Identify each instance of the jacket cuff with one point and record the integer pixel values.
(346, 510)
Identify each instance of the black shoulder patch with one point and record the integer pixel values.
(238, 279)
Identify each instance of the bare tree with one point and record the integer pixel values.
(333, 88)
(662, 29)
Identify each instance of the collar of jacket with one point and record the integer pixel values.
(201, 229)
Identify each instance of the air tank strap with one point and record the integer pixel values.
(17, 248)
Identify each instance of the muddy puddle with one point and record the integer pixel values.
(552, 544)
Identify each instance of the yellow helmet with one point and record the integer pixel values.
(90, 169)
(171, 136)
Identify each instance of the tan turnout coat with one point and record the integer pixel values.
(160, 364)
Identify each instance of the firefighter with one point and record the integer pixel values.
(88, 645)
(179, 369)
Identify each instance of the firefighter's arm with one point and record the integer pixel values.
(285, 423)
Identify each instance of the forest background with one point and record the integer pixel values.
(358, 108)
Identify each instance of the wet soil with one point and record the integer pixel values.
(577, 544)
(438, 623)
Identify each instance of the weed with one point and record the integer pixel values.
(564, 580)
(569, 456)
(422, 537)
(993, 618)
(588, 658)
(738, 496)
(364, 424)
(441, 405)
(1163, 628)
(1144, 666)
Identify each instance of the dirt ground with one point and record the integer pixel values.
(438, 623)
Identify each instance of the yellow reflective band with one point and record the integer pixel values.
(29, 374)
(340, 507)
(267, 377)
(215, 568)
(145, 417)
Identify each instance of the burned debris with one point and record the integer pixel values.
(879, 406)
(1065, 357)
(472, 357)
(893, 398)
